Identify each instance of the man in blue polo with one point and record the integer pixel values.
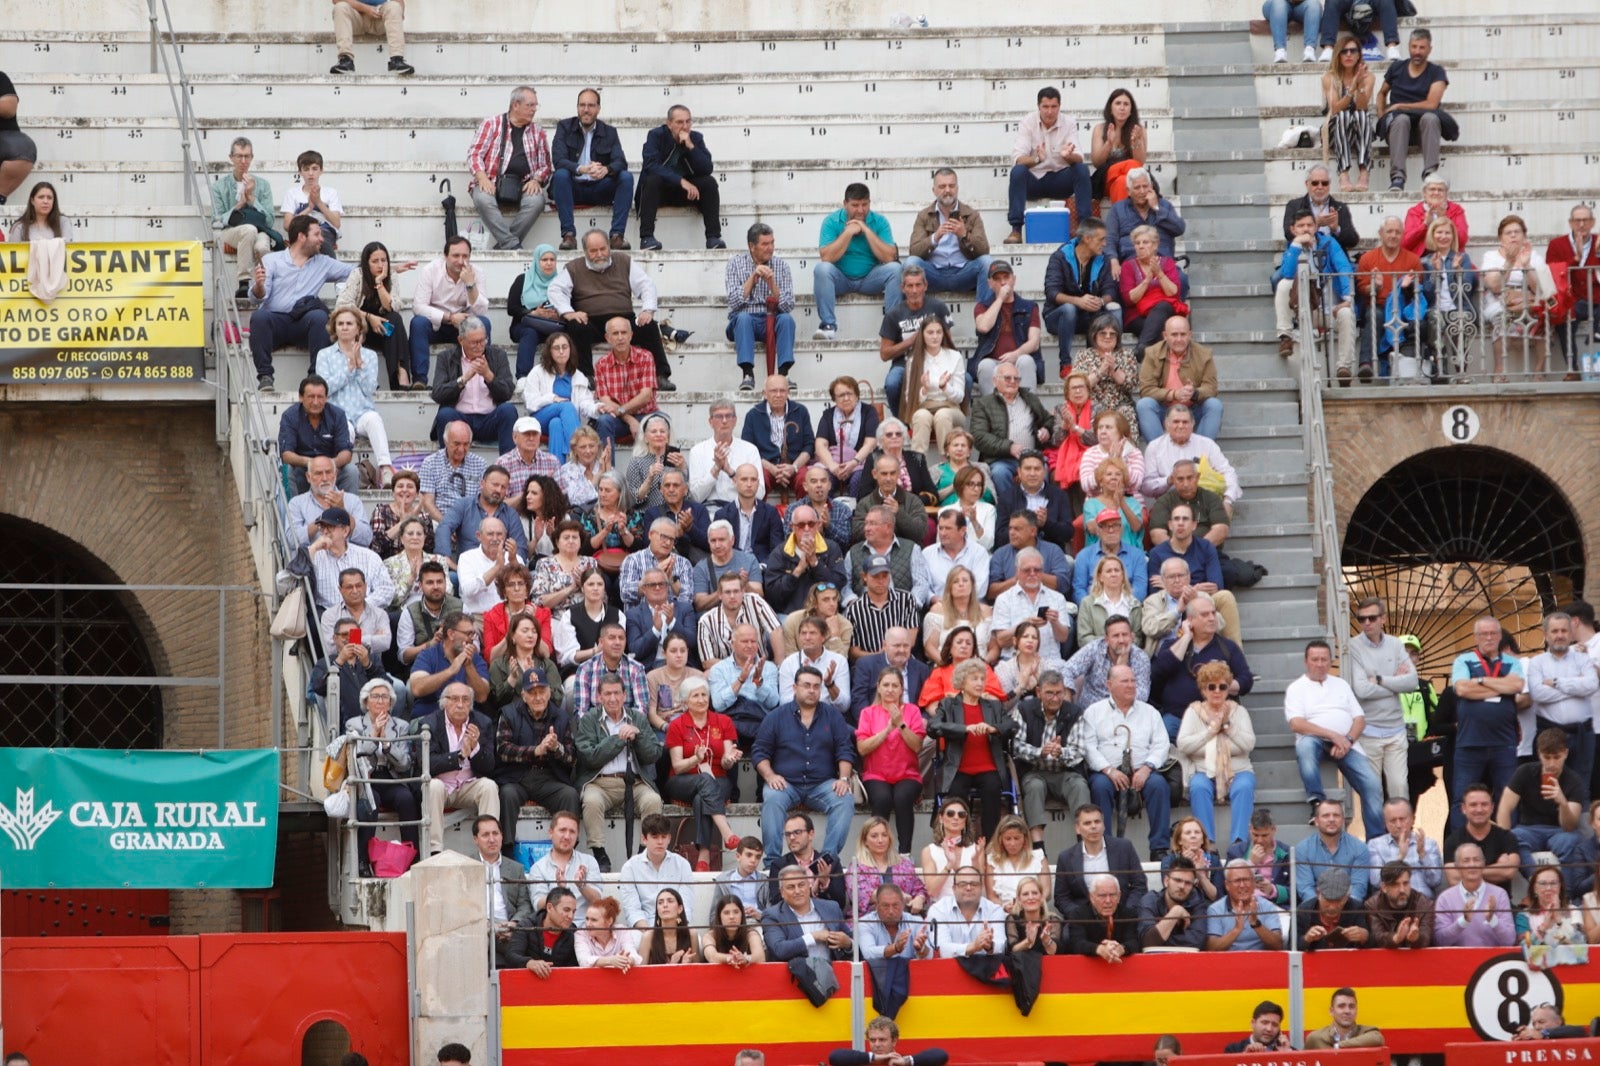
(1486, 684)
(804, 753)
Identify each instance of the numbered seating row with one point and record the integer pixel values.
(456, 52)
(1493, 38)
(1486, 81)
(1519, 125)
(633, 103)
(1469, 166)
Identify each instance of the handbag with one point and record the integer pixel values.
(289, 623)
(507, 189)
(390, 858)
(250, 215)
(1425, 754)
(335, 769)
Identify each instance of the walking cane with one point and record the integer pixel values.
(772, 332)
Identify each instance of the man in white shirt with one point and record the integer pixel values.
(332, 554)
(1180, 441)
(505, 888)
(1124, 724)
(565, 866)
(712, 462)
(952, 548)
(834, 668)
(966, 923)
(1562, 683)
(1326, 719)
(653, 869)
(1380, 669)
(447, 293)
(1047, 162)
(1030, 597)
(481, 567)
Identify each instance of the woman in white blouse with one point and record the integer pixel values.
(556, 392)
(1515, 284)
(351, 371)
(936, 384)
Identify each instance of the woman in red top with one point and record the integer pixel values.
(1075, 423)
(960, 645)
(515, 585)
(974, 729)
(701, 743)
(889, 736)
(1150, 287)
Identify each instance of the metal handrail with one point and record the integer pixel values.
(1325, 527)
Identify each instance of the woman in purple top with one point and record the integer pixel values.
(876, 863)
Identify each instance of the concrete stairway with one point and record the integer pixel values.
(1222, 194)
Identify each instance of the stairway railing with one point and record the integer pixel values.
(1324, 521)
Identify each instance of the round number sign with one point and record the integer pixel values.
(1460, 424)
(1502, 993)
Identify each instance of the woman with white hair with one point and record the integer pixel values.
(611, 529)
(382, 762)
(892, 439)
(1436, 204)
(975, 729)
(654, 456)
(703, 747)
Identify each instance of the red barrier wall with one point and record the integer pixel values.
(214, 1000)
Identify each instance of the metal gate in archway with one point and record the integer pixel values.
(1455, 533)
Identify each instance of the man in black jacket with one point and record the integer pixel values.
(533, 755)
(1266, 1031)
(474, 357)
(883, 1038)
(806, 559)
(1333, 216)
(1079, 286)
(549, 942)
(1033, 490)
(590, 168)
(1104, 926)
(678, 170)
(1120, 860)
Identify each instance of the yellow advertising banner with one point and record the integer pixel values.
(125, 313)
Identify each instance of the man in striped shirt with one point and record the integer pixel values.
(879, 608)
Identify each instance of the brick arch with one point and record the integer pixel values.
(1369, 438)
(146, 492)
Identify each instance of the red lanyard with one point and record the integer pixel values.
(1488, 671)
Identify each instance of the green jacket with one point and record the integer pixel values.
(596, 746)
(991, 424)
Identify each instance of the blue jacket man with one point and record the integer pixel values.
(675, 156)
(1078, 274)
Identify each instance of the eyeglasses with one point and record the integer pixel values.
(794, 832)
(1364, 618)
(968, 884)
(722, 416)
(891, 433)
(1217, 687)
(652, 584)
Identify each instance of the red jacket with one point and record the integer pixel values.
(1585, 284)
(1416, 218)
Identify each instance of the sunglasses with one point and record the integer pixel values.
(1216, 688)
(1368, 617)
(825, 586)
(955, 814)
(1315, 182)
(1349, 51)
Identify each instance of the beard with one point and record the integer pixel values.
(600, 267)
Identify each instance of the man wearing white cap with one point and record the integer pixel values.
(528, 458)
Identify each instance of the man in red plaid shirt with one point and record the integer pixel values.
(510, 145)
(624, 383)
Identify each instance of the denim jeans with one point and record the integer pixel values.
(1157, 803)
(558, 420)
(1491, 766)
(1058, 184)
(1067, 321)
(892, 384)
(529, 334)
(1003, 472)
(494, 425)
(1358, 772)
(1568, 846)
(424, 335)
(1279, 12)
(972, 276)
(270, 330)
(776, 805)
(614, 189)
(748, 330)
(828, 280)
(1241, 798)
(1153, 416)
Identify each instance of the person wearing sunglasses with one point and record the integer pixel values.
(803, 561)
(1347, 96)
(1215, 740)
(1332, 215)
(1380, 671)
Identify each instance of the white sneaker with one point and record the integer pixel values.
(1394, 52)
(826, 333)
(1326, 56)
(1280, 56)
(1311, 54)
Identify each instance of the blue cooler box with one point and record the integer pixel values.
(1047, 225)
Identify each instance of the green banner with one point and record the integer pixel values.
(84, 818)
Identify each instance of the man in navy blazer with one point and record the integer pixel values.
(803, 922)
(655, 616)
(897, 644)
(678, 170)
(1033, 480)
(779, 413)
(604, 179)
(1121, 861)
(766, 524)
(690, 514)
